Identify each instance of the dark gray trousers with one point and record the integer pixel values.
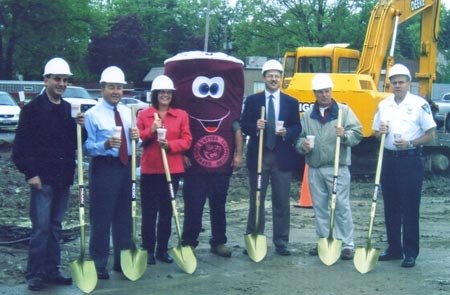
(280, 182)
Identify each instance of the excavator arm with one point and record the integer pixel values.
(382, 28)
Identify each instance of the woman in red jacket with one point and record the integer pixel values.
(155, 195)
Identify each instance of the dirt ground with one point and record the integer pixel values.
(295, 274)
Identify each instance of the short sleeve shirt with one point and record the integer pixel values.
(411, 118)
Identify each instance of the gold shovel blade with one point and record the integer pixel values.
(84, 274)
(329, 250)
(365, 259)
(133, 263)
(184, 257)
(256, 246)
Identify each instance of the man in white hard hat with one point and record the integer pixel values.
(278, 152)
(407, 121)
(44, 150)
(321, 122)
(109, 172)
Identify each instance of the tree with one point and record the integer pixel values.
(444, 44)
(123, 46)
(33, 31)
(271, 28)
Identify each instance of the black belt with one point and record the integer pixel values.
(417, 152)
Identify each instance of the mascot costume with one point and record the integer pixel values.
(210, 87)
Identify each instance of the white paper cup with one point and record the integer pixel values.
(161, 133)
(279, 125)
(75, 109)
(311, 139)
(117, 132)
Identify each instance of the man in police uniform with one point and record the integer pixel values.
(407, 121)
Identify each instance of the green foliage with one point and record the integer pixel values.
(444, 45)
(123, 46)
(140, 34)
(35, 31)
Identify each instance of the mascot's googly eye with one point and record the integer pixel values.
(203, 87)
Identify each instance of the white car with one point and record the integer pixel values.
(79, 95)
(9, 112)
(134, 102)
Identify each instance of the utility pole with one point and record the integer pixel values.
(205, 47)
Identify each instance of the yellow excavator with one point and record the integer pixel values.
(357, 76)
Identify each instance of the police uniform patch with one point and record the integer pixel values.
(426, 108)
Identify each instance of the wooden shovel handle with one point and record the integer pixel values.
(338, 145)
(79, 156)
(164, 159)
(261, 141)
(380, 159)
(133, 145)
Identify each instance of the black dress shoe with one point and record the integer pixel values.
(283, 251)
(164, 257)
(409, 262)
(102, 274)
(151, 258)
(386, 256)
(60, 279)
(36, 284)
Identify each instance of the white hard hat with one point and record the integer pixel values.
(322, 81)
(113, 74)
(399, 69)
(272, 65)
(162, 82)
(57, 66)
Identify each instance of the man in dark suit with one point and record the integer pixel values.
(278, 153)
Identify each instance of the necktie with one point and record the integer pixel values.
(271, 137)
(123, 150)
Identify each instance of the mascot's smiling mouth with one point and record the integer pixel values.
(209, 125)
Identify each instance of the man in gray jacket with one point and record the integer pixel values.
(321, 121)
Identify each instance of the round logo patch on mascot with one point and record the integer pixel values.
(211, 151)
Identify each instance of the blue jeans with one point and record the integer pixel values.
(196, 189)
(47, 209)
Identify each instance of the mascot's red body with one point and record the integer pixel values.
(210, 87)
